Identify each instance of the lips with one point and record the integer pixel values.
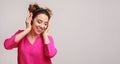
(39, 29)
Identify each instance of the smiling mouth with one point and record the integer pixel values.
(39, 29)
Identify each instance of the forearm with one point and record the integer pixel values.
(50, 50)
(21, 35)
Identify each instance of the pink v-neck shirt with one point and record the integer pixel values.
(37, 53)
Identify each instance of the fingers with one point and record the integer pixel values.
(28, 21)
(30, 15)
(46, 30)
(29, 18)
(48, 27)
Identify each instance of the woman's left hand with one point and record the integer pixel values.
(45, 35)
(46, 31)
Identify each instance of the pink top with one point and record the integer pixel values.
(37, 53)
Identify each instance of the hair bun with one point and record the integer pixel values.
(33, 7)
(49, 11)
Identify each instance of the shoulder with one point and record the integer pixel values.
(18, 31)
(50, 37)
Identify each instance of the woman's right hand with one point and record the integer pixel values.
(28, 22)
(27, 30)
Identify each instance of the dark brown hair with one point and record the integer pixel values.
(36, 10)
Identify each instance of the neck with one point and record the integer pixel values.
(32, 34)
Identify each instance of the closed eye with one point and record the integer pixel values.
(46, 23)
(39, 21)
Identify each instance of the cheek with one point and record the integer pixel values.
(34, 25)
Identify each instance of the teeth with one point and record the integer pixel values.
(39, 29)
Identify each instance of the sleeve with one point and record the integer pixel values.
(50, 50)
(10, 43)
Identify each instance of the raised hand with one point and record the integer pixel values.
(28, 21)
(45, 35)
(46, 31)
(27, 30)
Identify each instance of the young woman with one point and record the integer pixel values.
(34, 45)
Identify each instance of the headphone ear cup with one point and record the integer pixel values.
(31, 21)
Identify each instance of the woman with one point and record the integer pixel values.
(34, 45)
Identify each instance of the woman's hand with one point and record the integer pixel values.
(45, 35)
(27, 30)
(46, 31)
(28, 22)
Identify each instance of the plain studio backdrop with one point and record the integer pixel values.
(85, 31)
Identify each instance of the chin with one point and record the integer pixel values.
(38, 33)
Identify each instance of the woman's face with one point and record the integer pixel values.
(40, 23)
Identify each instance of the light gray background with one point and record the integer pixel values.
(85, 31)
